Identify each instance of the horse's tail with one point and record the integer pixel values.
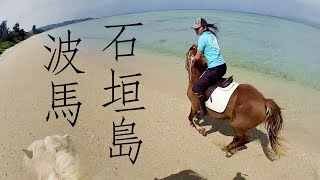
(273, 124)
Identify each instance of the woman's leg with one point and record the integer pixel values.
(209, 77)
(199, 88)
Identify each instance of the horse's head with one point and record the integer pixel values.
(192, 51)
(199, 66)
(201, 63)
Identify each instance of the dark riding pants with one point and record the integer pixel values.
(210, 76)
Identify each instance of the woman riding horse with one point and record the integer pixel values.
(209, 47)
(246, 109)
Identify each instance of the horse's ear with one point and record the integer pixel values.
(193, 49)
(195, 46)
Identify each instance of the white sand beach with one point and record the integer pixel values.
(171, 148)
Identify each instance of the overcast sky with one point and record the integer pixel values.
(44, 12)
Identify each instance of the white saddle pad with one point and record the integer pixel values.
(220, 97)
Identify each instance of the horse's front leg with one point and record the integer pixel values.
(191, 118)
(192, 114)
(194, 105)
(201, 130)
(194, 108)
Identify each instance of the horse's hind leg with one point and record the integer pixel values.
(231, 145)
(239, 140)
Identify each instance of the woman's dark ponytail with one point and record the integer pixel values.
(213, 28)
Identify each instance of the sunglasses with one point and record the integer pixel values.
(197, 29)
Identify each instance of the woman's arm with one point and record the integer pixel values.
(197, 57)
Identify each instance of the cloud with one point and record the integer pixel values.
(40, 13)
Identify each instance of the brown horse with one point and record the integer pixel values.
(246, 109)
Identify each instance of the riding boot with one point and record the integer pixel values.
(202, 107)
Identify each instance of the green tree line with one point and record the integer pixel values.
(9, 38)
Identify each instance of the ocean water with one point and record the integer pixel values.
(270, 45)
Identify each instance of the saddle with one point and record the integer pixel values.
(223, 82)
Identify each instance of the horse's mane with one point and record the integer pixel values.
(187, 65)
(200, 66)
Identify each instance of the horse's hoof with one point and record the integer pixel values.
(191, 123)
(230, 153)
(204, 132)
(224, 149)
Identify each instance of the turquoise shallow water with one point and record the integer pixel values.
(265, 44)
